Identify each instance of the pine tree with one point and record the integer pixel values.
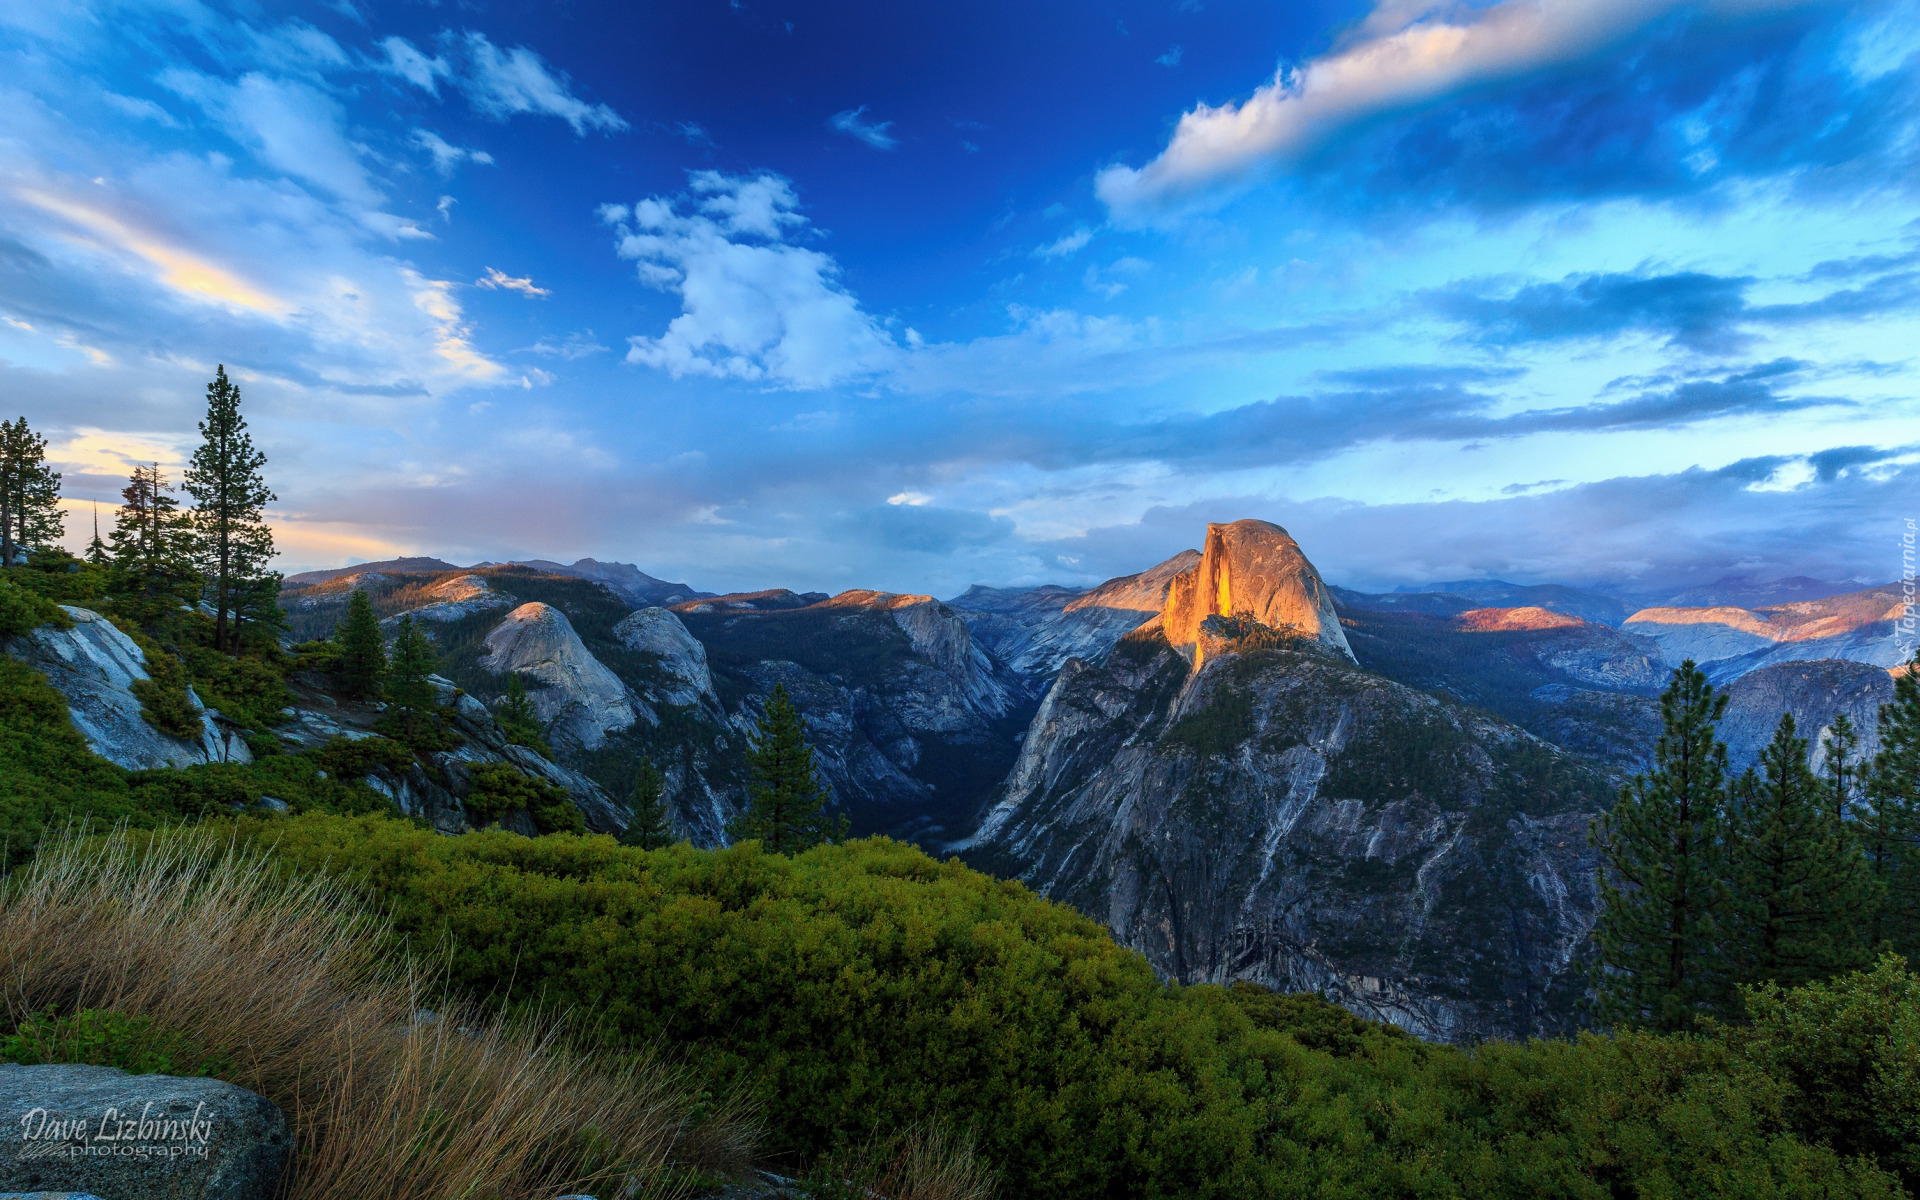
(650, 828)
(363, 652)
(96, 549)
(786, 806)
(409, 689)
(150, 545)
(1891, 833)
(519, 720)
(30, 516)
(1662, 877)
(232, 537)
(1839, 747)
(1799, 883)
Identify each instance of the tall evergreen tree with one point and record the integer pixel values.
(786, 806)
(363, 652)
(97, 552)
(232, 536)
(409, 690)
(650, 828)
(1662, 877)
(1799, 884)
(1841, 747)
(1891, 827)
(150, 544)
(519, 720)
(30, 516)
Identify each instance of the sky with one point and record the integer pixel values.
(1616, 293)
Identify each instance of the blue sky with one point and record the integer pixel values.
(915, 296)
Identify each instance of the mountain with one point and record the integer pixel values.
(1815, 693)
(1743, 591)
(1236, 798)
(391, 566)
(1728, 641)
(1035, 630)
(1497, 593)
(624, 580)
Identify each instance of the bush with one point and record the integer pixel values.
(23, 611)
(858, 991)
(164, 701)
(499, 789)
(356, 758)
(107, 1039)
(249, 691)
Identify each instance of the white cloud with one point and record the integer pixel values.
(446, 155)
(754, 306)
(1405, 53)
(1066, 245)
(409, 63)
(496, 279)
(1171, 58)
(146, 110)
(288, 125)
(911, 499)
(873, 133)
(502, 83)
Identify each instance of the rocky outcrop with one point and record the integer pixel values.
(575, 695)
(683, 660)
(452, 599)
(1035, 631)
(1281, 816)
(1729, 641)
(1251, 568)
(1815, 693)
(137, 1137)
(95, 666)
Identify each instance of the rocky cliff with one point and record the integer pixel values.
(574, 693)
(1729, 641)
(1815, 693)
(1238, 799)
(95, 666)
(1034, 631)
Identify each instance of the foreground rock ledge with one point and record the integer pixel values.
(136, 1137)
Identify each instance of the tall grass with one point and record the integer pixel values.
(925, 1162)
(283, 981)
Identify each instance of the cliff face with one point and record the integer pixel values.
(1254, 569)
(1234, 797)
(1283, 817)
(1815, 693)
(578, 698)
(1036, 630)
(1729, 641)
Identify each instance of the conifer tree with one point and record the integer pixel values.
(518, 719)
(30, 516)
(1799, 884)
(363, 652)
(97, 553)
(786, 806)
(408, 687)
(150, 543)
(1891, 827)
(232, 537)
(650, 828)
(1662, 877)
(1840, 746)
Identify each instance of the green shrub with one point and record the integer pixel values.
(164, 701)
(857, 991)
(356, 758)
(23, 610)
(250, 690)
(107, 1039)
(499, 789)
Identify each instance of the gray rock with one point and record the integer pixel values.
(575, 695)
(137, 1137)
(1815, 693)
(95, 666)
(658, 632)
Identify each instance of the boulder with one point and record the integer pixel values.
(137, 1137)
(95, 666)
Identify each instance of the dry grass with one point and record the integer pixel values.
(927, 1162)
(284, 981)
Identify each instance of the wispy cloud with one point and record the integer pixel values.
(496, 279)
(873, 133)
(446, 155)
(504, 82)
(1063, 246)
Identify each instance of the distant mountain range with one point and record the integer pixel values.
(1245, 772)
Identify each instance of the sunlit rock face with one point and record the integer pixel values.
(575, 694)
(1251, 568)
